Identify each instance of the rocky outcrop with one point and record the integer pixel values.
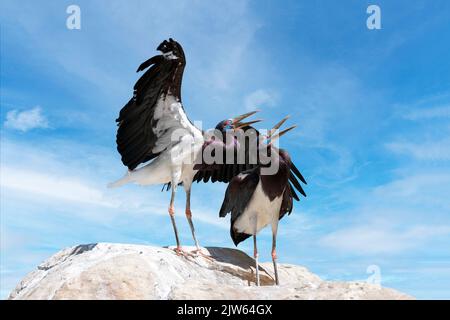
(124, 271)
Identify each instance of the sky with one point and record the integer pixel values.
(372, 109)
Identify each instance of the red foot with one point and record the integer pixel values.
(179, 251)
(200, 253)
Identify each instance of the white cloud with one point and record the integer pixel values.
(370, 239)
(413, 197)
(260, 98)
(230, 30)
(431, 150)
(64, 188)
(429, 113)
(395, 218)
(26, 120)
(41, 174)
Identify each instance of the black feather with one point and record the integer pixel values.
(297, 173)
(237, 196)
(135, 134)
(293, 193)
(296, 184)
(224, 172)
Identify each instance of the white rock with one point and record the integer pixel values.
(124, 271)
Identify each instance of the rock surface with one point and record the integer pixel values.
(123, 271)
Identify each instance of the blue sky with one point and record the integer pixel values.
(372, 108)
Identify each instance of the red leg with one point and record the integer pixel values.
(255, 255)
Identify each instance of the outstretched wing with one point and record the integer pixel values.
(237, 197)
(147, 121)
(290, 194)
(244, 158)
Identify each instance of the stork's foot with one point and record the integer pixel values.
(178, 250)
(191, 254)
(182, 253)
(199, 253)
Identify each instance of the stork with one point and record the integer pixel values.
(154, 130)
(257, 198)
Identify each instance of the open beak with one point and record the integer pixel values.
(237, 121)
(240, 125)
(272, 137)
(277, 126)
(281, 133)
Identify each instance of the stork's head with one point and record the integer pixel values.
(235, 123)
(171, 49)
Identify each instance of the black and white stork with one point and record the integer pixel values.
(257, 199)
(153, 126)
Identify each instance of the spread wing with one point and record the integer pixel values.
(294, 184)
(147, 121)
(290, 193)
(245, 158)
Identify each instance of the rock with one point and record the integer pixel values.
(124, 271)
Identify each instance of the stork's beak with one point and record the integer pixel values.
(277, 126)
(278, 135)
(245, 124)
(237, 124)
(271, 136)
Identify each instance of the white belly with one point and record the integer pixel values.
(259, 213)
(176, 162)
(181, 140)
(157, 172)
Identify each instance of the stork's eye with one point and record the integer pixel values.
(229, 124)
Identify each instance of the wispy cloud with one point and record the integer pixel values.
(394, 218)
(430, 150)
(441, 112)
(216, 60)
(426, 137)
(26, 120)
(260, 98)
(66, 188)
(370, 239)
(26, 171)
(424, 191)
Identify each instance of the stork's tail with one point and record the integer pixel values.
(122, 181)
